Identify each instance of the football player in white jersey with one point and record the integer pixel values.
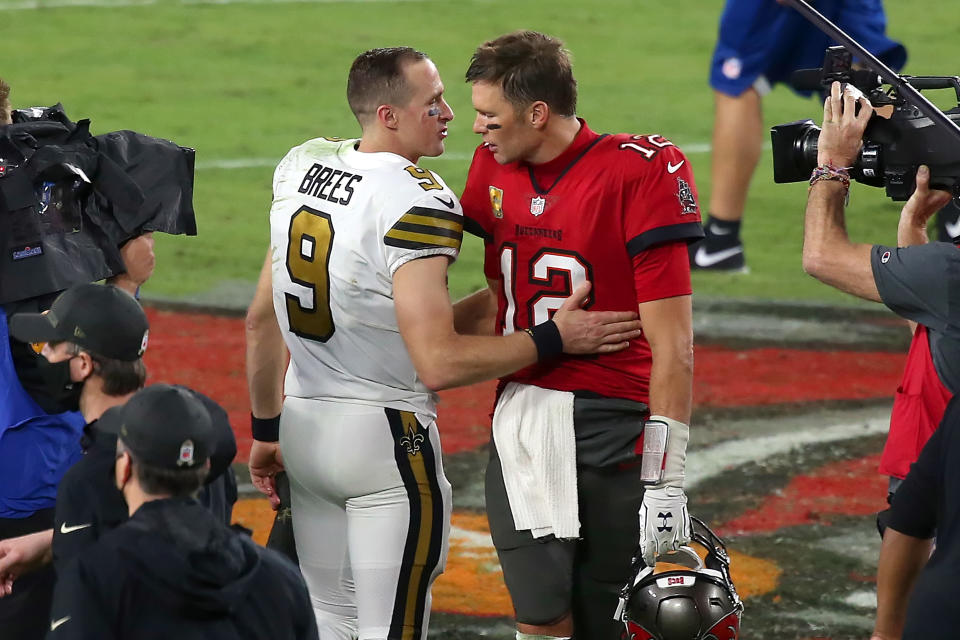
(361, 238)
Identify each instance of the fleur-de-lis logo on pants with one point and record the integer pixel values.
(411, 441)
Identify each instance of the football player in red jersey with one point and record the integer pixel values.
(556, 205)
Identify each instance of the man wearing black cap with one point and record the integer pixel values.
(84, 323)
(94, 338)
(173, 570)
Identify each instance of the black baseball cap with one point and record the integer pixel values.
(167, 427)
(103, 319)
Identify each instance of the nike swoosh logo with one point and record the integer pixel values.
(448, 203)
(56, 623)
(672, 168)
(704, 259)
(717, 231)
(952, 228)
(65, 529)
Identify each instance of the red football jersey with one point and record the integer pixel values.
(616, 210)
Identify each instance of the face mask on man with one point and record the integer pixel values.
(62, 393)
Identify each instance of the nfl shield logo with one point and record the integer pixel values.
(186, 454)
(537, 204)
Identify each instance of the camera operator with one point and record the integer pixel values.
(915, 279)
(919, 281)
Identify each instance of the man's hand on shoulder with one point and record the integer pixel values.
(585, 332)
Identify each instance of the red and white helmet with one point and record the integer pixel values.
(696, 603)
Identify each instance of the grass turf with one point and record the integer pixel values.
(244, 82)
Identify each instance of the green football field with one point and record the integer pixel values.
(242, 81)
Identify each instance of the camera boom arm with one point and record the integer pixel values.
(904, 87)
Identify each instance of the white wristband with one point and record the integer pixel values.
(676, 454)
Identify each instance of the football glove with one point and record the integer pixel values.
(664, 522)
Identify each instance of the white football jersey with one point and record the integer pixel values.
(342, 223)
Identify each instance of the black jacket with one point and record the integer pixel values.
(89, 503)
(174, 571)
(928, 503)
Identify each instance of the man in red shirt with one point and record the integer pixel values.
(556, 205)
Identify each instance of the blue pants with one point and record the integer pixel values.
(763, 39)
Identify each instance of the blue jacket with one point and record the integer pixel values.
(36, 448)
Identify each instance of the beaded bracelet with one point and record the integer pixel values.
(830, 172)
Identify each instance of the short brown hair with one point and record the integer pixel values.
(119, 377)
(530, 66)
(377, 77)
(5, 107)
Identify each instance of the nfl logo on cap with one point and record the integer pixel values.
(186, 454)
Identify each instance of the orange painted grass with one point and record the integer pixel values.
(255, 514)
(473, 581)
(752, 576)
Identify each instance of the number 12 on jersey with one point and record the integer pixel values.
(308, 254)
(545, 266)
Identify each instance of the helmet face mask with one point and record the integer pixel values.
(698, 603)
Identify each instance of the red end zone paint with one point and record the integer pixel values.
(758, 377)
(849, 488)
(206, 352)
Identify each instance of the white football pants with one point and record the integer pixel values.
(371, 515)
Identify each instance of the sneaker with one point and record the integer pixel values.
(718, 252)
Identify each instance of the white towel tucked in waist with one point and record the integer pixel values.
(533, 431)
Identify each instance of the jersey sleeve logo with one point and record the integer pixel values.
(423, 228)
(496, 202)
(688, 203)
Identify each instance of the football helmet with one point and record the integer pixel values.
(695, 603)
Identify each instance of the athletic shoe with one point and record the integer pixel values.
(718, 252)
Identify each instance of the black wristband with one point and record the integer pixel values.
(265, 429)
(546, 337)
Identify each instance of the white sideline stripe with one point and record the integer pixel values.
(453, 156)
(474, 544)
(704, 464)
(31, 5)
(862, 599)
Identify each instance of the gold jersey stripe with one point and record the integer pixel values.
(413, 240)
(430, 231)
(431, 221)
